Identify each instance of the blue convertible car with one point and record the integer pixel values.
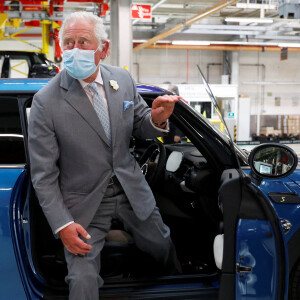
(234, 216)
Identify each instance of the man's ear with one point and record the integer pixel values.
(105, 49)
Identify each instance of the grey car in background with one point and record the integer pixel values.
(23, 64)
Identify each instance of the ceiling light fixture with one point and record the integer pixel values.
(158, 42)
(249, 20)
(286, 45)
(238, 43)
(191, 43)
(139, 41)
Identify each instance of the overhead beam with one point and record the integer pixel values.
(223, 48)
(219, 6)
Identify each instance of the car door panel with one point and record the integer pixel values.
(9, 184)
(256, 258)
(251, 225)
(229, 201)
(265, 243)
(286, 211)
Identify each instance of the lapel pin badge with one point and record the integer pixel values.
(114, 84)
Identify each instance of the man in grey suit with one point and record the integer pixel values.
(82, 170)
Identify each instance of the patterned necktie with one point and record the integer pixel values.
(101, 109)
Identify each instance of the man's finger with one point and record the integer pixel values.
(83, 232)
(79, 248)
(80, 244)
(165, 101)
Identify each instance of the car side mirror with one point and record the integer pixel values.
(271, 161)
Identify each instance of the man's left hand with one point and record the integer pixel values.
(162, 108)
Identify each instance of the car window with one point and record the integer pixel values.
(174, 136)
(1, 62)
(12, 149)
(212, 114)
(22, 64)
(9, 115)
(39, 59)
(19, 66)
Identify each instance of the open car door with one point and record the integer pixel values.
(252, 260)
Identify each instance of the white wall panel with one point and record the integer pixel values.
(275, 79)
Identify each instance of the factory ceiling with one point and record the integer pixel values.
(192, 22)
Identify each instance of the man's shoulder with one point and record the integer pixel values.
(50, 89)
(53, 83)
(114, 69)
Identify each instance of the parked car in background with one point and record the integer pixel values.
(23, 64)
(234, 217)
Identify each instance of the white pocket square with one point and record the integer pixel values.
(127, 104)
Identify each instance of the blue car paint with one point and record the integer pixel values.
(255, 248)
(296, 176)
(33, 84)
(11, 283)
(286, 211)
(22, 85)
(289, 212)
(33, 283)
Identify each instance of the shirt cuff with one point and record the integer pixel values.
(166, 129)
(62, 227)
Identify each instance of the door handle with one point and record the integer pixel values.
(243, 269)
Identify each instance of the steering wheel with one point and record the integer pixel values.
(152, 163)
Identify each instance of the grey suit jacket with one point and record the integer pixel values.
(70, 157)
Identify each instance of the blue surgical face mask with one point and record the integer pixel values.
(79, 63)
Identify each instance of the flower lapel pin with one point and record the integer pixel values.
(114, 84)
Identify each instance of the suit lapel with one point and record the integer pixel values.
(78, 99)
(113, 101)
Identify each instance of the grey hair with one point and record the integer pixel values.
(99, 29)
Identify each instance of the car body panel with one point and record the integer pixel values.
(10, 281)
(286, 211)
(296, 177)
(20, 229)
(256, 249)
(283, 210)
(34, 84)
(22, 85)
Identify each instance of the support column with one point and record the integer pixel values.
(225, 75)
(235, 65)
(3, 19)
(244, 103)
(235, 74)
(121, 33)
(46, 36)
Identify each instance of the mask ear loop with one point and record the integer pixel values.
(100, 58)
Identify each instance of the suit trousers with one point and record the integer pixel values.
(151, 236)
